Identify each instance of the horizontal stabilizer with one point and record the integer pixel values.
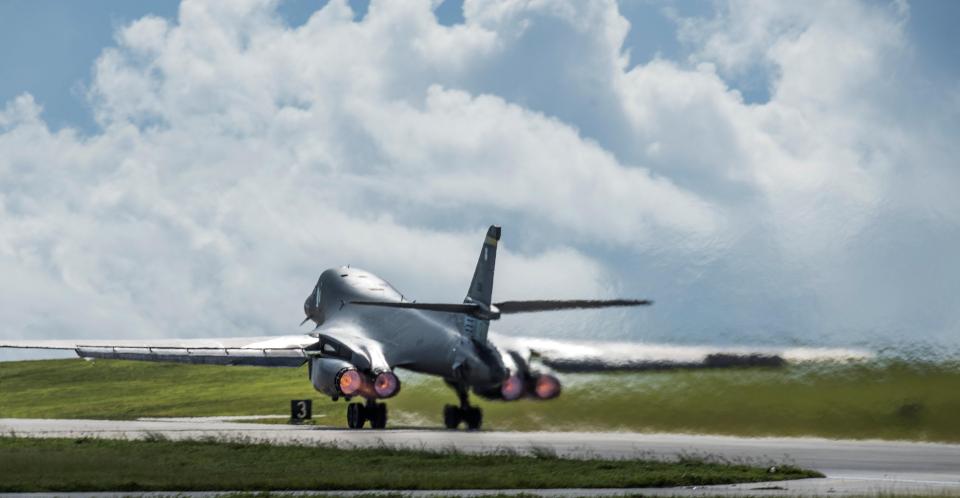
(507, 307)
(449, 308)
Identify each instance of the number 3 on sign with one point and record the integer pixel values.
(301, 409)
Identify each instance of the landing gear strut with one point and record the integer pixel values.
(453, 415)
(359, 414)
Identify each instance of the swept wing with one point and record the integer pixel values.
(279, 351)
(582, 356)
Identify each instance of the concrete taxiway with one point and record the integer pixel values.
(852, 467)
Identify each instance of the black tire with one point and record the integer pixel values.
(452, 416)
(355, 416)
(378, 419)
(474, 418)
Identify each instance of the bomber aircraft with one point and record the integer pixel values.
(366, 329)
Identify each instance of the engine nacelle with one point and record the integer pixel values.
(516, 386)
(336, 377)
(520, 379)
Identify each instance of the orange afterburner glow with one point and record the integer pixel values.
(512, 388)
(547, 387)
(349, 382)
(386, 384)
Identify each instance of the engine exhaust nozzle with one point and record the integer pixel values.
(349, 382)
(512, 387)
(546, 387)
(386, 385)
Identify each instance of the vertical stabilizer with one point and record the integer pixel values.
(481, 287)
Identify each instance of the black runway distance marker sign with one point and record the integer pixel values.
(300, 410)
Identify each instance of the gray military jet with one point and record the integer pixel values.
(365, 330)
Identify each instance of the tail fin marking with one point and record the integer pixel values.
(481, 287)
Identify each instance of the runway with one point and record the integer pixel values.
(852, 467)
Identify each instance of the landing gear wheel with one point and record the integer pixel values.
(473, 416)
(356, 415)
(470, 415)
(452, 416)
(378, 415)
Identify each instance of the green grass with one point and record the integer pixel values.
(157, 464)
(888, 400)
(531, 495)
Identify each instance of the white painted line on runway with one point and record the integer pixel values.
(224, 418)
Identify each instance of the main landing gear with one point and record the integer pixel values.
(359, 414)
(453, 415)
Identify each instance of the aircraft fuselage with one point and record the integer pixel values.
(418, 340)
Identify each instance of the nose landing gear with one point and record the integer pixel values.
(471, 416)
(359, 414)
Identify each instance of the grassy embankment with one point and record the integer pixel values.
(869, 400)
(100, 465)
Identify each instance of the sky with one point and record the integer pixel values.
(768, 173)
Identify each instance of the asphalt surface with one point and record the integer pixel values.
(852, 467)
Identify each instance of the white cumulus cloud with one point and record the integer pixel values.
(237, 157)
